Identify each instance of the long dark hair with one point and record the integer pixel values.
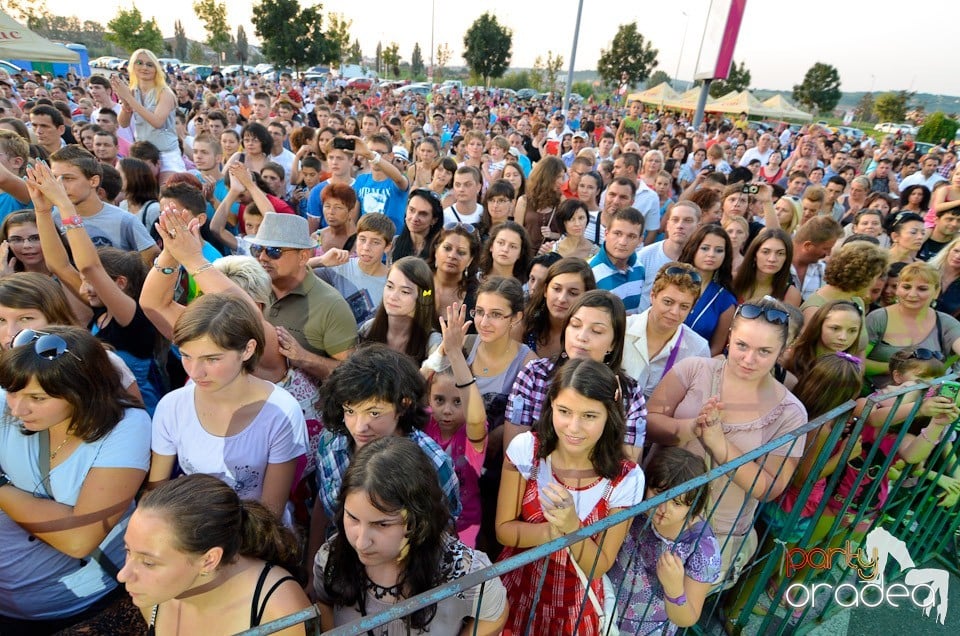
(425, 313)
(840, 373)
(723, 276)
(83, 376)
(593, 380)
(467, 282)
(403, 245)
(804, 349)
(522, 265)
(206, 513)
(537, 315)
(395, 474)
(746, 278)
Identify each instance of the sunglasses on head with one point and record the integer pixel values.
(926, 354)
(772, 315)
(273, 253)
(48, 346)
(457, 225)
(682, 271)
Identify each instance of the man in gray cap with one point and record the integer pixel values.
(315, 325)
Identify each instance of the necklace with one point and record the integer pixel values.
(53, 455)
(380, 592)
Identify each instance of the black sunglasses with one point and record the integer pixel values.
(682, 271)
(926, 354)
(273, 253)
(48, 346)
(771, 315)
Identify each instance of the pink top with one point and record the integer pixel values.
(467, 463)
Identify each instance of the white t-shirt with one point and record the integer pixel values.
(647, 202)
(454, 215)
(625, 494)
(285, 159)
(276, 435)
(652, 257)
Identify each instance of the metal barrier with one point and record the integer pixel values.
(909, 511)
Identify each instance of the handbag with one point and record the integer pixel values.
(606, 610)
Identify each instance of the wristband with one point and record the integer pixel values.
(926, 437)
(166, 271)
(472, 380)
(73, 221)
(678, 601)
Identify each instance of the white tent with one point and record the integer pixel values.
(658, 95)
(17, 42)
(781, 107)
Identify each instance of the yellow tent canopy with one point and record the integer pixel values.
(687, 100)
(781, 108)
(17, 42)
(742, 102)
(658, 95)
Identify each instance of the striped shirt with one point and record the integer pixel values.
(626, 283)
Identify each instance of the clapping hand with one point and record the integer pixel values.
(181, 234)
(559, 510)
(709, 426)
(45, 189)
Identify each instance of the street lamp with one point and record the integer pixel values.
(683, 41)
(573, 60)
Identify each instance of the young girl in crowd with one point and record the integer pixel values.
(20, 250)
(766, 269)
(670, 557)
(570, 472)
(74, 448)
(227, 562)
(506, 253)
(573, 217)
(711, 252)
(836, 326)
(497, 207)
(393, 542)
(550, 303)
(738, 230)
(227, 422)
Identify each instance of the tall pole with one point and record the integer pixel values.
(573, 60)
(683, 41)
(433, 15)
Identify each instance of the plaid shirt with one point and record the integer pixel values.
(529, 395)
(946, 169)
(333, 457)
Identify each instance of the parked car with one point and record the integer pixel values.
(170, 61)
(922, 147)
(263, 68)
(526, 93)
(105, 61)
(891, 128)
(420, 88)
(852, 133)
(360, 83)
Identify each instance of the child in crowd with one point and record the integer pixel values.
(670, 557)
(837, 326)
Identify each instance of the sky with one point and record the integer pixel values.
(879, 47)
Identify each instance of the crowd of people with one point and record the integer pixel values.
(267, 344)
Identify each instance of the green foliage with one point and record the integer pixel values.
(442, 59)
(658, 78)
(584, 89)
(213, 14)
(543, 77)
(820, 89)
(629, 59)
(338, 32)
(487, 47)
(416, 61)
(291, 35)
(180, 43)
(243, 47)
(936, 127)
(195, 54)
(892, 106)
(514, 80)
(864, 109)
(129, 31)
(355, 55)
(738, 80)
(391, 59)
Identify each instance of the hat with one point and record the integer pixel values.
(284, 230)
(580, 135)
(399, 152)
(231, 99)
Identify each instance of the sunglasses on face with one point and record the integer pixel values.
(48, 346)
(771, 315)
(926, 354)
(682, 271)
(273, 253)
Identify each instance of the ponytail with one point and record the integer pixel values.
(263, 537)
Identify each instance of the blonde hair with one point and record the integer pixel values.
(921, 271)
(160, 78)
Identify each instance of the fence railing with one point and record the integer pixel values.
(906, 501)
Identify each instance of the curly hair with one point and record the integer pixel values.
(542, 185)
(855, 266)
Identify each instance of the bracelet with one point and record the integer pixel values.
(72, 222)
(473, 380)
(925, 436)
(166, 271)
(679, 601)
(202, 269)
(477, 441)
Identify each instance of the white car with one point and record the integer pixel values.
(105, 61)
(169, 61)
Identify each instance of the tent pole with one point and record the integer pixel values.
(701, 103)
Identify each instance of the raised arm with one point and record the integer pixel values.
(54, 253)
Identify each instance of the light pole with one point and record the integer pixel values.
(683, 41)
(433, 14)
(573, 60)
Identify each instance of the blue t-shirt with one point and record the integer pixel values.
(381, 196)
(705, 315)
(37, 581)
(8, 204)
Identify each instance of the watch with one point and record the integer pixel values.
(166, 271)
(678, 601)
(4, 480)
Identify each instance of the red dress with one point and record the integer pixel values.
(562, 594)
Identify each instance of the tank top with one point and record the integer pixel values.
(495, 389)
(165, 137)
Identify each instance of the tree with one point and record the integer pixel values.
(820, 88)
(937, 127)
(338, 32)
(129, 31)
(391, 59)
(379, 58)
(416, 61)
(630, 58)
(180, 43)
(737, 80)
(892, 106)
(213, 14)
(543, 76)
(291, 35)
(658, 78)
(243, 47)
(355, 56)
(444, 54)
(33, 13)
(864, 109)
(487, 48)
(195, 54)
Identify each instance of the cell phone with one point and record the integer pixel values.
(750, 188)
(709, 167)
(342, 143)
(950, 390)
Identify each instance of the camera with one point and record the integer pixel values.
(750, 188)
(342, 143)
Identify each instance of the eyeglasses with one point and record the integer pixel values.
(273, 253)
(926, 354)
(48, 346)
(683, 271)
(20, 240)
(143, 63)
(495, 316)
(772, 315)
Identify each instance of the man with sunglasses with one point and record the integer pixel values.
(315, 325)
